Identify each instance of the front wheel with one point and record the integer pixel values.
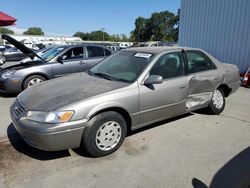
(104, 134)
(32, 81)
(217, 103)
(4, 59)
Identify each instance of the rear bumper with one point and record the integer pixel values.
(234, 86)
(49, 137)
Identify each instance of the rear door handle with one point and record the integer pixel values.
(183, 87)
(82, 62)
(215, 79)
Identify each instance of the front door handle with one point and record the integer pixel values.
(82, 62)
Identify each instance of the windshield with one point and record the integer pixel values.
(50, 54)
(123, 66)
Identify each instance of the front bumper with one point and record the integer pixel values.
(10, 85)
(48, 137)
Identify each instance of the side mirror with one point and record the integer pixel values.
(60, 59)
(153, 79)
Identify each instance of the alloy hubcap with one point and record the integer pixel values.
(108, 135)
(34, 82)
(4, 59)
(217, 99)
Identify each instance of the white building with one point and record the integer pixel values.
(31, 40)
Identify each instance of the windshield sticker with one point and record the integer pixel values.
(144, 55)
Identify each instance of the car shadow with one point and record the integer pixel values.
(20, 145)
(235, 173)
(80, 151)
(4, 95)
(160, 123)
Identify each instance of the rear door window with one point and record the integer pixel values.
(198, 62)
(107, 52)
(95, 51)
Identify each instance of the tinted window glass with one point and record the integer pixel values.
(50, 54)
(197, 62)
(168, 66)
(74, 53)
(94, 51)
(107, 52)
(123, 66)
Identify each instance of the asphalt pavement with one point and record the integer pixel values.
(191, 151)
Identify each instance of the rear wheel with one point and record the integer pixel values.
(32, 81)
(217, 103)
(104, 134)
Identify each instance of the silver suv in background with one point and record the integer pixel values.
(56, 62)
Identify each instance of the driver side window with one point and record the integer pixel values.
(74, 53)
(169, 65)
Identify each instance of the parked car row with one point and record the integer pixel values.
(130, 89)
(54, 62)
(12, 54)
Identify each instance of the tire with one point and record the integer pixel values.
(4, 59)
(217, 103)
(104, 134)
(36, 80)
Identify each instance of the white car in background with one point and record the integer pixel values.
(125, 44)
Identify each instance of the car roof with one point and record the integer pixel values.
(82, 45)
(158, 49)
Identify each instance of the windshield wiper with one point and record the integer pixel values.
(107, 76)
(121, 80)
(90, 72)
(101, 75)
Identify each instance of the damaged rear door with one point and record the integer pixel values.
(203, 79)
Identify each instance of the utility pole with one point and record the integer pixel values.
(103, 29)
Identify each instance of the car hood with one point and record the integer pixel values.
(23, 65)
(56, 93)
(21, 47)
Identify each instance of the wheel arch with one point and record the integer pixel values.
(124, 113)
(33, 74)
(226, 89)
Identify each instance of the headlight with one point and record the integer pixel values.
(50, 117)
(7, 74)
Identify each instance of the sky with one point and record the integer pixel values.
(65, 17)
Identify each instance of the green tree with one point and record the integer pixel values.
(34, 31)
(6, 31)
(99, 35)
(161, 26)
(94, 35)
(141, 32)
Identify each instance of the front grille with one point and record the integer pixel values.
(17, 110)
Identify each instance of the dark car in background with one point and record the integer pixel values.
(13, 54)
(4, 47)
(56, 62)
